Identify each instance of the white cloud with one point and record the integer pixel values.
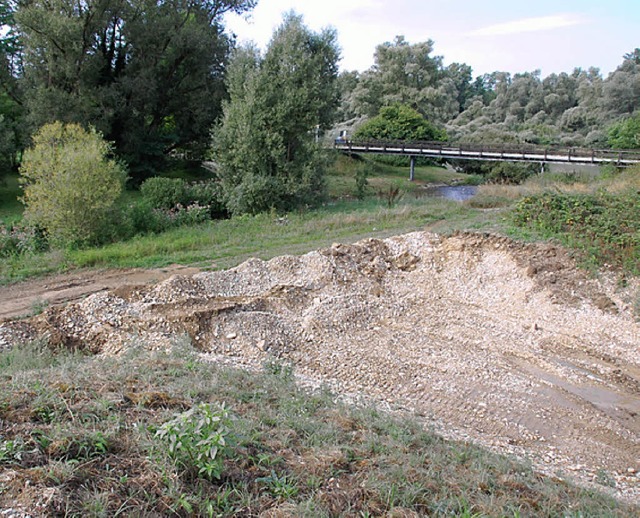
(543, 23)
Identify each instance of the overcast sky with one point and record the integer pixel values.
(506, 35)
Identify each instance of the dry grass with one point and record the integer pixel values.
(78, 439)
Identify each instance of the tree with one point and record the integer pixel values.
(399, 122)
(148, 74)
(70, 182)
(266, 144)
(11, 113)
(407, 73)
(625, 134)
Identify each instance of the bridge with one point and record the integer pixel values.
(490, 152)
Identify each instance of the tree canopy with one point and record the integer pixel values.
(148, 74)
(625, 134)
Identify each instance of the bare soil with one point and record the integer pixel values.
(505, 344)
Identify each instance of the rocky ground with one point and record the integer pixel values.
(505, 344)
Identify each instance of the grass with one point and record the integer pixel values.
(226, 243)
(82, 431)
(10, 191)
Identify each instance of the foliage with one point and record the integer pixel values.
(148, 75)
(164, 193)
(197, 439)
(625, 134)
(510, 172)
(399, 122)
(361, 181)
(21, 239)
(265, 145)
(70, 182)
(408, 74)
(604, 226)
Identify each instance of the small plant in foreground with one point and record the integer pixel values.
(280, 486)
(198, 439)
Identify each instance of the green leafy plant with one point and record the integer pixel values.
(70, 182)
(280, 486)
(198, 439)
(11, 450)
(164, 193)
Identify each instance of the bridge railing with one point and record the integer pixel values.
(450, 149)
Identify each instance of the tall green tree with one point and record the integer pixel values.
(266, 145)
(11, 111)
(148, 74)
(409, 74)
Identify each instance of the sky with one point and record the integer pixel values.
(505, 35)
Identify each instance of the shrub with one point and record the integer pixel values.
(197, 439)
(164, 193)
(605, 226)
(70, 183)
(207, 194)
(511, 173)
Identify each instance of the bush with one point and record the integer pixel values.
(511, 173)
(21, 239)
(169, 194)
(605, 226)
(207, 194)
(70, 183)
(164, 193)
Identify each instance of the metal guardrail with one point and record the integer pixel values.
(491, 152)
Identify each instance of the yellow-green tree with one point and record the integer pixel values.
(70, 182)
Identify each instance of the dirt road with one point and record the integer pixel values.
(504, 344)
(23, 298)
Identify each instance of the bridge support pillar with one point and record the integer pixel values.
(412, 169)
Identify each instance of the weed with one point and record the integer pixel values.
(278, 369)
(197, 439)
(11, 451)
(391, 195)
(280, 486)
(29, 356)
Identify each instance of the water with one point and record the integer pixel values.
(454, 192)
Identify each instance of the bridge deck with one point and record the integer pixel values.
(492, 152)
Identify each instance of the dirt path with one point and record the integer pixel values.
(504, 344)
(23, 298)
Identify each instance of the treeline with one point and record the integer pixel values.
(571, 109)
(147, 74)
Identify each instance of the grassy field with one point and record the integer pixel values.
(93, 438)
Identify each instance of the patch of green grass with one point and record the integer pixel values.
(86, 432)
(10, 208)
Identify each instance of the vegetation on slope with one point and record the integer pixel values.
(92, 436)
